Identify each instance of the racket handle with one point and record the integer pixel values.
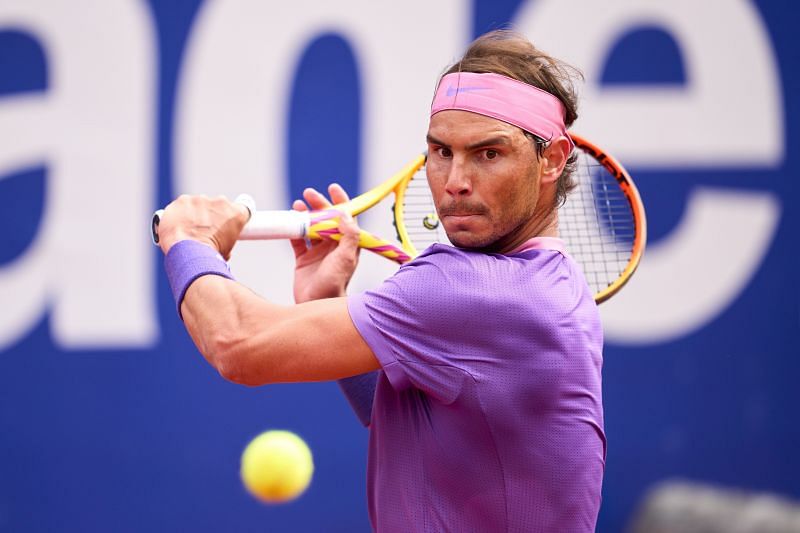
(276, 225)
(262, 225)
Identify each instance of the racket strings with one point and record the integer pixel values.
(418, 214)
(597, 224)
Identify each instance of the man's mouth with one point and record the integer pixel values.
(461, 215)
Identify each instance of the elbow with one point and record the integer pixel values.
(233, 362)
(232, 371)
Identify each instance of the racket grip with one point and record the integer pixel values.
(276, 225)
(262, 225)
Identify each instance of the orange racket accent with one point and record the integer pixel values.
(624, 226)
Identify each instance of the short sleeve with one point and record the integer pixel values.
(414, 322)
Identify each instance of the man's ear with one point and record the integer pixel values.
(554, 159)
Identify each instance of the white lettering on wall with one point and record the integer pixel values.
(235, 88)
(93, 129)
(720, 118)
(699, 269)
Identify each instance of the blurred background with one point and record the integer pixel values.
(110, 420)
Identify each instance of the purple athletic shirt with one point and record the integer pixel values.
(487, 414)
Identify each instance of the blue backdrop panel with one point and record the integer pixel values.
(109, 438)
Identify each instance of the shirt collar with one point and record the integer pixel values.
(540, 243)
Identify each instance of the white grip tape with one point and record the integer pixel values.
(276, 225)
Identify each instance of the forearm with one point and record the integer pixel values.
(220, 315)
(253, 342)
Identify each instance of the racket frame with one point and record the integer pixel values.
(637, 209)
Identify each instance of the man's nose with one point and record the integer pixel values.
(458, 180)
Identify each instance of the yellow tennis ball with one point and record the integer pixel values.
(277, 466)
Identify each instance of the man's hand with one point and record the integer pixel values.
(216, 222)
(324, 268)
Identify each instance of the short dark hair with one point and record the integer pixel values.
(511, 54)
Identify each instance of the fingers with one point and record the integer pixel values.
(347, 250)
(350, 231)
(245, 212)
(315, 199)
(214, 221)
(337, 194)
(248, 202)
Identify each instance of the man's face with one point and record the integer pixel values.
(485, 179)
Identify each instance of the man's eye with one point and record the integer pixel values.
(445, 152)
(491, 154)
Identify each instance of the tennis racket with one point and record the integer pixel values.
(602, 221)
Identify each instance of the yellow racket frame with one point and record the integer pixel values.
(399, 181)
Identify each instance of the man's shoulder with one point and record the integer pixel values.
(544, 279)
(451, 256)
(490, 266)
(444, 269)
(444, 252)
(447, 265)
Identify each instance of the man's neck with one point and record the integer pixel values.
(543, 223)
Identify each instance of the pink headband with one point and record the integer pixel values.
(503, 98)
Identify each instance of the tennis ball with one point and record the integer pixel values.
(277, 466)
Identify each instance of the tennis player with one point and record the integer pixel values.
(476, 367)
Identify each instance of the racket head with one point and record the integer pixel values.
(415, 218)
(602, 221)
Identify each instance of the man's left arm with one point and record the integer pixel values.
(253, 342)
(246, 338)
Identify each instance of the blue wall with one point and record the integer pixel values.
(130, 430)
